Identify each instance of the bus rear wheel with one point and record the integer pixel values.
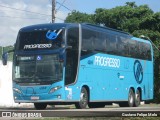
(40, 106)
(82, 104)
(131, 99)
(137, 99)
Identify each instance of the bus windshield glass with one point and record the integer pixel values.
(40, 69)
(39, 39)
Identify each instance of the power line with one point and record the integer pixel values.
(21, 17)
(24, 10)
(59, 18)
(60, 5)
(33, 12)
(64, 6)
(28, 18)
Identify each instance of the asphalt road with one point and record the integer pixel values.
(70, 111)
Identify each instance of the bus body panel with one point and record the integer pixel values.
(107, 82)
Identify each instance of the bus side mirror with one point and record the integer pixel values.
(4, 58)
(69, 47)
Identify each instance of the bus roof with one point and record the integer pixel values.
(61, 25)
(141, 40)
(90, 26)
(111, 30)
(45, 26)
(98, 27)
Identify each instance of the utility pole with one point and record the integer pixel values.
(53, 10)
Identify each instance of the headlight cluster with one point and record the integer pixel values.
(17, 90)
(55, 89)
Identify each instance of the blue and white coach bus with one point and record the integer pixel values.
(81, 64)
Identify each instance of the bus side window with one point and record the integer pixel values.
(126, 48)
(148, 52)
(123, 46)
(72, 38)
(112, 44)
(132, 47)
(142, 50)
(120, 46)
(100, 42)
(87, 40)
(72, 55)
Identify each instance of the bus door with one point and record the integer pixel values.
(71, 66)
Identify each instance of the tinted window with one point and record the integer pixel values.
(111, 44)
(72, 55)
(145, 51)
(88, 38)
(114, 43)
(46, 39)
(132, 47)
(140, 50)
(123, 48)
(100, 42)
(148, 50)
(73, 37)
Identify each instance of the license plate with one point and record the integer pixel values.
(34, 98)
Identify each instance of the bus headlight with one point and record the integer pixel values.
(55, 89)
(17, 90)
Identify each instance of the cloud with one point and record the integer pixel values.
(12, 20)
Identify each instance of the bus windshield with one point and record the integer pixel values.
(40, 69)
(39, 39)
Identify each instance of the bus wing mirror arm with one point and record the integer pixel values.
(5, 56)
(69, 47)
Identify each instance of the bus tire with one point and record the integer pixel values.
(96, 105)
(82, 104)
(40, 106)
(131, 99)
(137, 98)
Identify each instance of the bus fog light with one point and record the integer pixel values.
(55, 89)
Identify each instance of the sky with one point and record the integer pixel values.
(16, 14)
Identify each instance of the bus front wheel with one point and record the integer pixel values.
(82, 104)
(40, 106)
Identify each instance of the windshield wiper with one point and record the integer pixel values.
(15, 80)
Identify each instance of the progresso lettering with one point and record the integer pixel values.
(33, 46)
(107, 62)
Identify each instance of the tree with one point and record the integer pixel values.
(77, 17)
(131, 4)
